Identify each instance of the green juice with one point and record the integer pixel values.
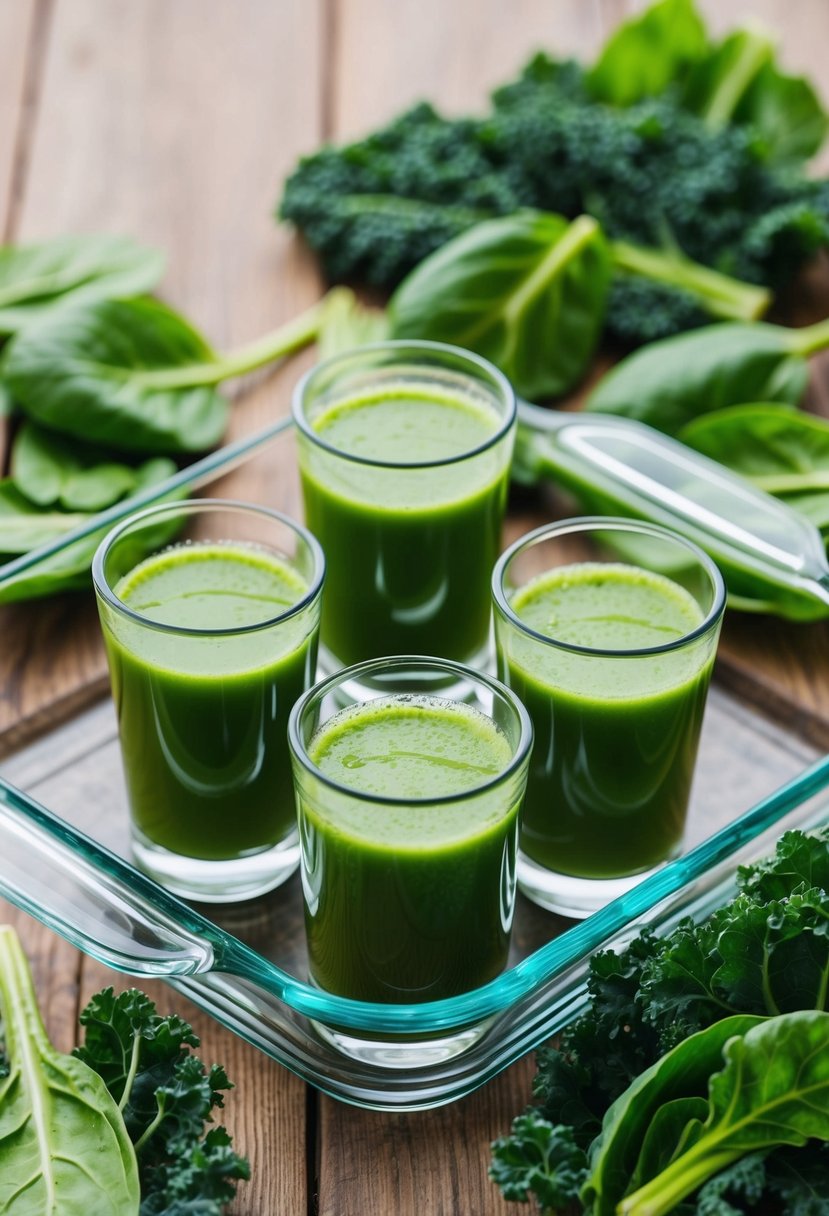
(615, 736)
(408, 900)
(203, 717)
(409, 550)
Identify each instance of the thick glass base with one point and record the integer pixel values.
(217, 882)
(571, 896)
(393, 1052)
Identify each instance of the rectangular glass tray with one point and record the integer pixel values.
(246, 964)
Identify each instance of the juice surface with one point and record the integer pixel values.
(409, 550)
(203, 719)
(615, 737)
(407, 901)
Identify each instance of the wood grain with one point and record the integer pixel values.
(171, 144)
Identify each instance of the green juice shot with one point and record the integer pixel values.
(408, 817)
(404, 453)
(209, 644)
(613, 661)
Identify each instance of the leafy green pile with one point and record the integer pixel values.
(117, 1126)
(670, 141)
(728, 1015)
(114, 387)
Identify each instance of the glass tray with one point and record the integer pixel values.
(246, 964)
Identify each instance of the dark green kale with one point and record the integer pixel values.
(539, 1159)
(653, 174)
(166, 1097)
(765, 952)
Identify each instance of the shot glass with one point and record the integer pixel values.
(607, 630)
(404, 454)
(408, 821)
(210, 614)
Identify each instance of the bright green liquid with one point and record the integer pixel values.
(409, 551)
(615, 738)
(203, 721)
(410, 901)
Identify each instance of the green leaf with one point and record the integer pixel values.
(646, 54)
(347, 323)
(36, 278)
(773, 1090)
(739, 82)
(668, 383)
(527, 292)
(63, 1145)
(540, 1159)
(50, 468)
(681, 1073)
(779, 449)
(26, 527)
(92, 371)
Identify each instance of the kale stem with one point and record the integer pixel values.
(150, 1129)
(716, 293)
(133, 1069)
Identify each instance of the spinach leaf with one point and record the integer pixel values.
(36, 278)
(24, 526)
(49, 468)
(773, 1090)
(63, 1144)
(680, 1073)
(134, 375)
(646, 54)
(779, 449)
(739, 82)
(527, 291)
(671, 382)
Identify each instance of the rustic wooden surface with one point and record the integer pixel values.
(176, 122)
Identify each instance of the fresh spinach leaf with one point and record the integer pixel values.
(63, 1144)
(681, 1073)
(36, 278)
(773, 1090)
(527, 291)
(68, 569)
(739, 82)
(669, 383)
(24, 526)
(646, 54)
(50, 468)
(134, 375)
(782, 450)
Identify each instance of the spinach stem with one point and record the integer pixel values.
(283, 341)
(718, 294)
(755, 52)
(810, 339)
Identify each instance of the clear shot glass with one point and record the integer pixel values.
(408, 809)
(404, 454)
(607, 630)
(210, 614)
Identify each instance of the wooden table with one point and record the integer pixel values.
(176, 121)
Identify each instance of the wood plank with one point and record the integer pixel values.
(184, 148)
(16, 32)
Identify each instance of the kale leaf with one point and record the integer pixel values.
(166, 1096)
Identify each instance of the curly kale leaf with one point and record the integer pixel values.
(167, 1097)
(540, 1159)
